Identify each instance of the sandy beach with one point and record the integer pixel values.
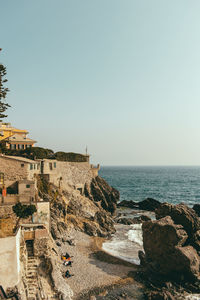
(95, 272)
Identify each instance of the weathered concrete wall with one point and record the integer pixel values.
(16, 170)
(13, 170)
(13, 199)
(69, 173)
(43, 214)
(10, 260)
(26, 187)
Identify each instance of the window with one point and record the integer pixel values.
(31, 166)
(28, 186)
(22, 165)
(54, 164)
(13, 147)
(50, 166)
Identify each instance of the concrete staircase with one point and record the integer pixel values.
(35, 289)
(32, 279)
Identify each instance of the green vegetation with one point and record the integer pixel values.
(23, 211)
(41, 153)
(3, 92)
(70, 156)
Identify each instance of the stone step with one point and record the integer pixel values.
(32, 267)
(32, 290)
(28, 272)
(31, 277)
(32, 260)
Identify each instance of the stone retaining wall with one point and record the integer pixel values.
(69, 173)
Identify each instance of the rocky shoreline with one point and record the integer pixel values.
(80, 223)
(93, 216)
(99, 275)
(170, 262)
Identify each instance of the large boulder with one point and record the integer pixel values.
(165, 250)
(183, 215)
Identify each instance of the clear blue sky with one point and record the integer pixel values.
(120, 76)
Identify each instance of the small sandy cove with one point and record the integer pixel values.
(94, 269)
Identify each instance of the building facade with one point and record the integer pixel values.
(15, 139)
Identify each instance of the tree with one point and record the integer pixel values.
(23, 211)
(3, 92)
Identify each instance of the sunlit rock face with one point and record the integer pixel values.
(171, 243)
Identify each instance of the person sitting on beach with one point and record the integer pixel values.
(68, 263)
(66, 257)
(67, 274)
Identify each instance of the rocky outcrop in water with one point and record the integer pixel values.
(149, 204)
(128, 204)
(171, 243)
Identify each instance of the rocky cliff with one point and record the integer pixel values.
(90, 212)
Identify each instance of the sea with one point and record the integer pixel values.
(165, 184)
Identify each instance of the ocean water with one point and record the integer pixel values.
(166, 184)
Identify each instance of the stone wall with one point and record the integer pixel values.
(26, 187)
(13, 170)
(16, 169)
(10, 260)
(13, 199)
(69, 173)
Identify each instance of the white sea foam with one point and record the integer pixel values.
(118, 249)
(125, 245)
(135, 234)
